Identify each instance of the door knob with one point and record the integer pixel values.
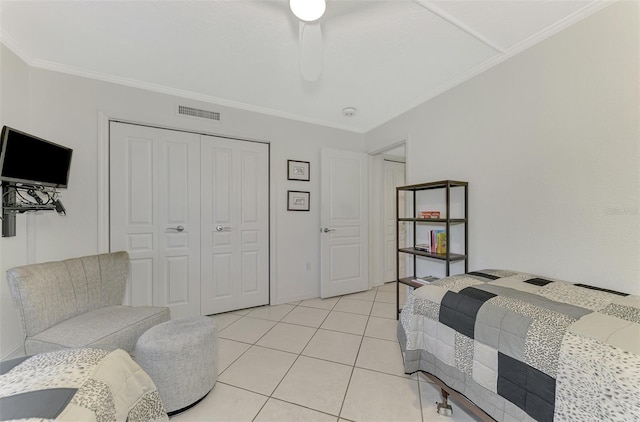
(219, 228)
(178, 229)
(327, 230)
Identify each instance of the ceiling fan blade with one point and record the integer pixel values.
(310, 48)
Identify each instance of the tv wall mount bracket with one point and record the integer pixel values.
(12, 205)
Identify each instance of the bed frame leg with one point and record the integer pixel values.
(444, 404)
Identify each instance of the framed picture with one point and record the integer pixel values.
(297, 200)
(298, 170)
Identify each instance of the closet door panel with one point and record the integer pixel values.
(235, 189)
(155, 214)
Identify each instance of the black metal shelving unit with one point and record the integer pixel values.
(416, 222)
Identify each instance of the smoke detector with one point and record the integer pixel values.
(349, 111)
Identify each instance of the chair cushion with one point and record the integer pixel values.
(112, 327)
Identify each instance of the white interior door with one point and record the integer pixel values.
(155, 214)
(394, 176)
(235, 226)
(344, 222)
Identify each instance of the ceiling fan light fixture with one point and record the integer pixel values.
(308, 10)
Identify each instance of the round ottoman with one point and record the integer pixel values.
(181, 357)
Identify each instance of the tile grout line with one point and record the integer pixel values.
(285, 374)
(339, 363)
(355, 361)
(420, 398)
(301, 405)
(292, 364)
(241, 354)
(270, 396)
(304, 347)
(251, 344)
(299, 354)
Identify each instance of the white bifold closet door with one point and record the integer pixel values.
(235, 224)
(192, 211)
(155, 214)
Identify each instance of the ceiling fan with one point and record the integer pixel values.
(309, 36)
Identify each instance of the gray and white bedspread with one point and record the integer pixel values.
(523, 347)
(78, 385)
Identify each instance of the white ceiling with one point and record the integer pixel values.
(381, 57)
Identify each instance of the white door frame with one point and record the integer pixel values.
(376, 223)
(105, 116)
(389, 214)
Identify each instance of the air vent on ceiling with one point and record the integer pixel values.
(196, 112)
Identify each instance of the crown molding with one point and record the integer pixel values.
(10, 43)
(134, 83)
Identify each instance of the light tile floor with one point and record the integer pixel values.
(335, 359)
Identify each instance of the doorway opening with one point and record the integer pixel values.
(388, 172)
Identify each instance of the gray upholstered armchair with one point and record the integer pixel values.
(78, 303)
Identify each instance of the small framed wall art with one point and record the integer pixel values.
(297, 200)
(298, 170)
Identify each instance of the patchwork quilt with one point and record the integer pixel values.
(522, 347)
(78, 385)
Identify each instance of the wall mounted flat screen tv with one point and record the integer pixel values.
(31, 160)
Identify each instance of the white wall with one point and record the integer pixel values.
(65, 109)
(14, 112)
(549, 142)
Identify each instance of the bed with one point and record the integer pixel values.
(78, 385)
(521, 347)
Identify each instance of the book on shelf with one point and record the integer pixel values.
(424, 280)
(441, 242)
(424, 247)
(437, 243)
(429, 214)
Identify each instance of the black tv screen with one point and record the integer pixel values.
(31, 160)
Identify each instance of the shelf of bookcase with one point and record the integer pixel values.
(409, 282)
(452, 256)
(433, 220)
(435, 185)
